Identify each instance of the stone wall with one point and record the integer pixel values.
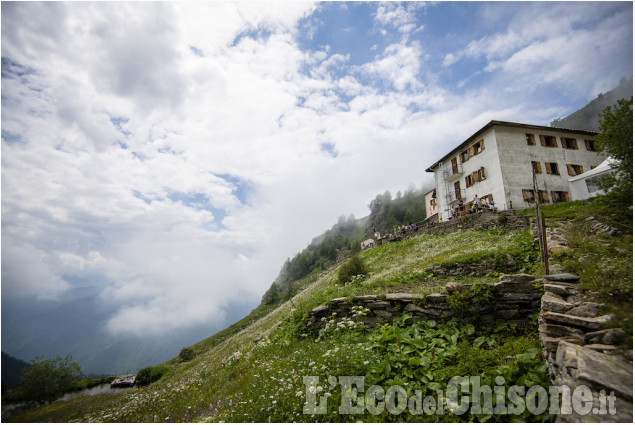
(581, 348)
(517, 299)
(485, 220)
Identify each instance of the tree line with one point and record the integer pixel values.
(344, 239)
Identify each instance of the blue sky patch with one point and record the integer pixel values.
(241, 187)
(200, 201)
(11, 138)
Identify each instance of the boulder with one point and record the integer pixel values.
(451, 287)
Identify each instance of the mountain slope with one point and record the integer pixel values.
(587, 118)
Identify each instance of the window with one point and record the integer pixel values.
(548, 141)
(536, 167)
(593, 184)
(557, 196)
(478, 147)
(464, 156)
(528, 196)
(457, 190)
(590, 145)
(574, 169)
(530, 139)
(552, 168)
(480, 174)
(569, 143)
(475, 177)
(455, 167)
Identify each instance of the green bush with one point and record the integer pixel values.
(186, 354)
(47, 380)
(353, 267)
(150, 374)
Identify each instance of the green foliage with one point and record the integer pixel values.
(386, 212)
(48, 379)
(616, 140)
(186, 354)
(472, 299)
(425, 355)
(502, 219)
(351, 269)
(151, 374)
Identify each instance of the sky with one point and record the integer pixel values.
(171, 156)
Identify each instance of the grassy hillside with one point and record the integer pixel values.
(256, 370)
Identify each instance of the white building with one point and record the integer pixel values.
(497, 162)
(587, 184)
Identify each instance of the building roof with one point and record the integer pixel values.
(604, 167)
(493, 123)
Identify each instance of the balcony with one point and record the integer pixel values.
(452, 172)
(454, 196)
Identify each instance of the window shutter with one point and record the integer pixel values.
(470, 152)
(563, 142)
(575, 144)
(475, 177)
(543, 142)
(547, 166)
(554, 198)
(538, 167)
(482, 143)
(526, 195)
(570, 170)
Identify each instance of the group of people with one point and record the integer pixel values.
(477, 205)
(406, 228)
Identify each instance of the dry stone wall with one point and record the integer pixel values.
(517, 299)
(485, 220)
(581, 348)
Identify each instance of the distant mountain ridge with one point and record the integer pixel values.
(11, 370)
(587, 118)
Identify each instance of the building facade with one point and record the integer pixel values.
(432, 209)
(498, 163)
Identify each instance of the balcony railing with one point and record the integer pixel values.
(454, 196)
(451, 172)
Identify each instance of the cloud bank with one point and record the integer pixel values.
(178, 153)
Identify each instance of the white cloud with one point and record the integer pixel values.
(134, 149)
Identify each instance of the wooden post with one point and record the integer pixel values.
(539, 226)
(544, 244)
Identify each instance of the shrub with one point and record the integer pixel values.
(47, 380)
(186, 354)
(150, 374)
(353, 267)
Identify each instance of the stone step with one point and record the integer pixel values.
(583, 322)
